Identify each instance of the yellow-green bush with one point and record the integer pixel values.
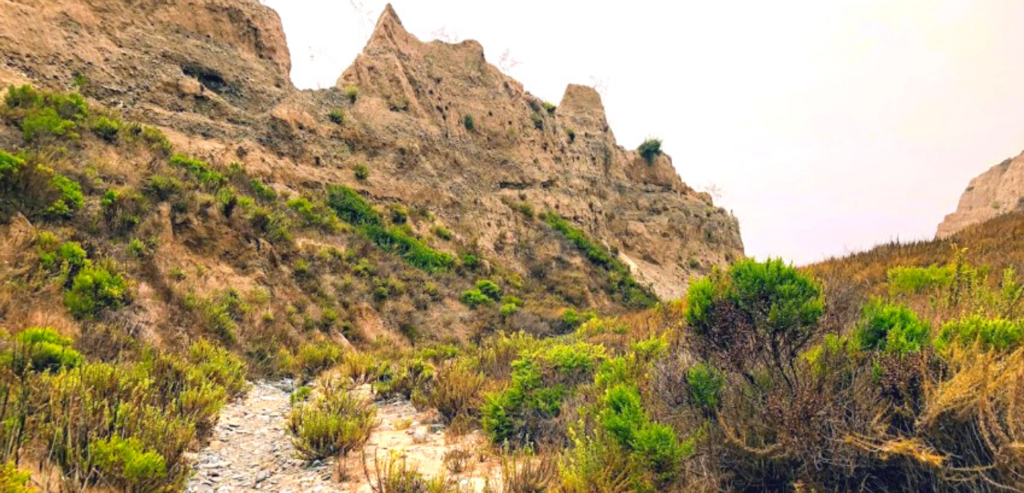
(333, 423)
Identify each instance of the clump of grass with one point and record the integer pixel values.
(337, 116)
(361, 171)
(352, 93)
(442, 232)
(332, 424)
(106, 128)
(200, 170)
(549, 107)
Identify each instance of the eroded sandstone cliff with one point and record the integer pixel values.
(443, 134)
(996, 191)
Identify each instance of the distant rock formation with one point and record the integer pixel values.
(996, 191)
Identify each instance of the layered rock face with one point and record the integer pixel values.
(443, 133)
(996, 191)
(565, 160)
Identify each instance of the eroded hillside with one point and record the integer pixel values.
(454, 159)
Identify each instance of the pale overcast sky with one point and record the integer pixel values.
(829, 126)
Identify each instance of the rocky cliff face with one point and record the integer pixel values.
(996, 191)
(443, 134)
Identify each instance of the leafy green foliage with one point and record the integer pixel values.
(916, 280)
(23, 97)
(106, 128)
(41, 349)
(128, 464)
(474, 298)
(262, 191)
(96, 289)
(620, 280)
(705, 384)
(988, 333)
(489, 289)
(14, 480)
(541, 380)
(754, 306)
(355, 210)
(654, 445)
(890, 328)
(316, 215)
(201, 171)
(650, 149)
(337, 116)
(69, 197)
(163, 187)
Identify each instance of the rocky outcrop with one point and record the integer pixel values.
(441, 130)
(997, 191)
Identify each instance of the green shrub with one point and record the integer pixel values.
(653, 445)
(313, 359)
(200, 170)
(123, 209)
(767, 307)
(467, 121)
(314, 214)
(106, 128)
(41, 349)
(337, 116)
(70, 198)
(300, 395)
(470, 261)
(572, 135)
(549, 107)
(474, 298)
(23, 97)
(508, 309)
(262, 191)
(352, 93)
(70, 106)
(45, 123)
(442, 232)
(915, 280)
(399, 214)
(541, 380)
(352, 207)
(489, 289)
(705, 385)
(94, 290)
(988, 333)
(127, 464)
(572, 320)
(14, 480)
(456, 391)
(362, 172)
(156, 140)
(650, 149)
(163, 187)
(334, 423)
(10, 166)
(890, 328)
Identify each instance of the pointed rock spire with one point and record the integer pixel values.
(389, 31)
(583, 106)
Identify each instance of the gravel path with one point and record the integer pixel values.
(251, 450)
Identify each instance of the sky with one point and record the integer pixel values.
(826, 127)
